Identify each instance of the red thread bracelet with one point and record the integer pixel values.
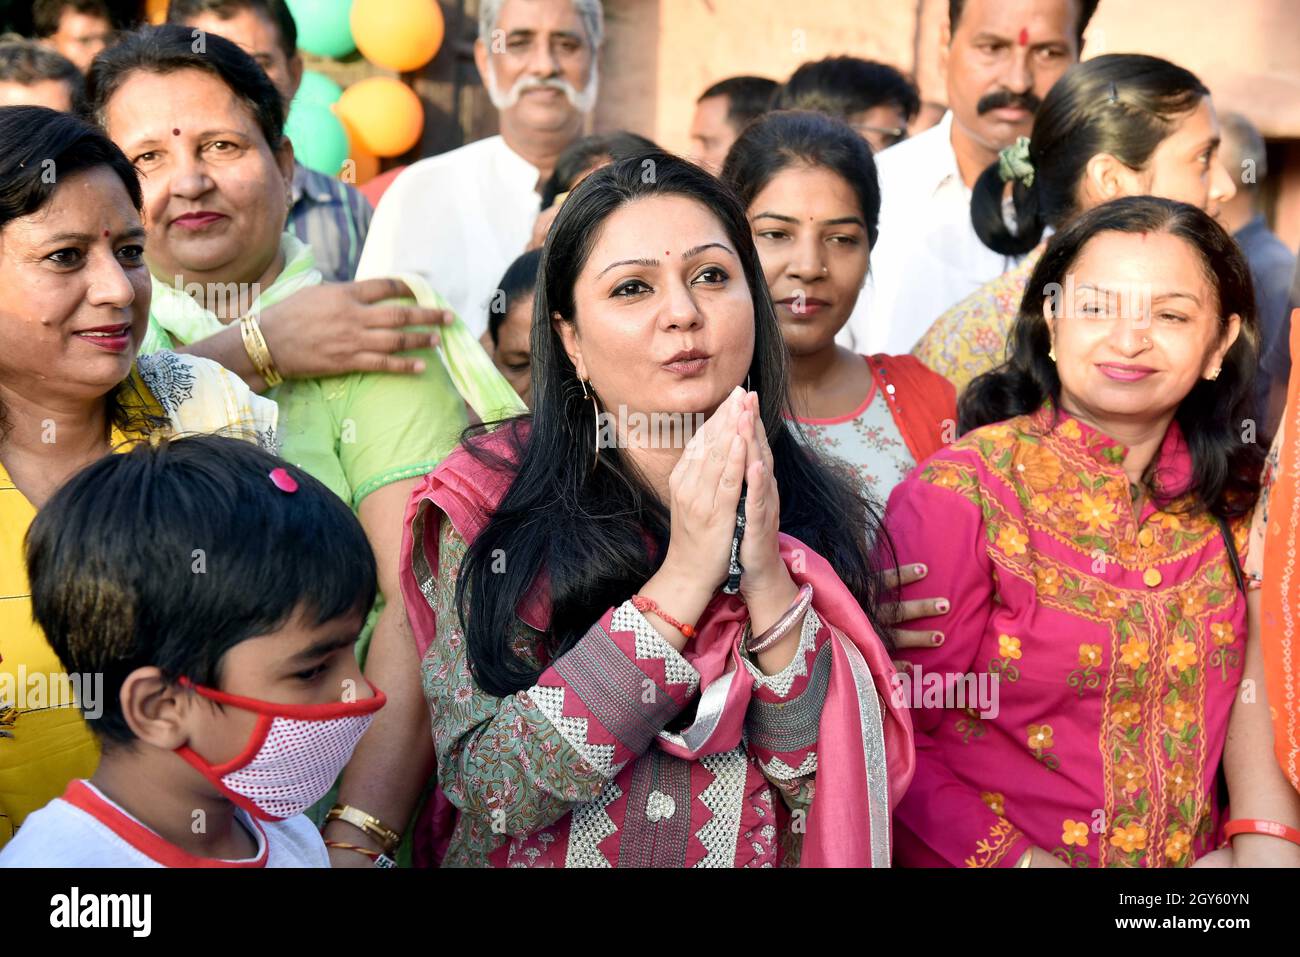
(643, 604)
(1254, 826)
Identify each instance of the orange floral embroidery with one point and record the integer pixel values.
(1074, 832)
(1131, 838)
(1085, 678)
(1040, 736)
(995, 801)
(1048, 580)
(1036, 466)
(1183, 654)
(1107, 604)
(1179, 843)
(1096, 511)
(1040, 503)
(1130, 776)
(1191, 603)
(1178, 714)
(1222, 633)
(1128, 713)
(1011, 542)
(1134, 653)
(1070, 429)
(1008, 647)
(1169, 521)
(1179, 781)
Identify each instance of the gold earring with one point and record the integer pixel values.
(595, 418)
(1215, 374)
(1051, 353)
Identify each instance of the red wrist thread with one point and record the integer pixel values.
(643, 604)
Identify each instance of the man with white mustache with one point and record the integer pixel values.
(462, 217)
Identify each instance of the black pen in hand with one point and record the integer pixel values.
(735, 569)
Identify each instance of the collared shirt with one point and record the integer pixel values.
(928, 256)
(1272, 266)
(332, 218)
(459, 219)
(85, 828)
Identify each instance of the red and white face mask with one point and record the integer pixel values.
(294, 755)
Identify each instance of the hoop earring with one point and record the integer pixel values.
(595, 420)
(747, 388)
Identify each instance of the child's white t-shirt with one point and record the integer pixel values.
(85, 829)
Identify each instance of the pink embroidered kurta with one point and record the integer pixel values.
(1117, 637)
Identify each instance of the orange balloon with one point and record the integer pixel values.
(383, 116)
(402, 35)
(361, 167)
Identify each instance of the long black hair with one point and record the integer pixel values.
(777, 141)
(1123, 104)
(39, 142)
(588, 528)
(1225, 469)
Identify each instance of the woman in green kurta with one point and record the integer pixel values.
(205, 131)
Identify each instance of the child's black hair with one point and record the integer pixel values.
(171, 554)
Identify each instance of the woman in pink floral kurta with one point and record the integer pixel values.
(1117, 637)
(1098, 581)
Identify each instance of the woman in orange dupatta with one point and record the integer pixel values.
(1278, 513)
(1261, 759)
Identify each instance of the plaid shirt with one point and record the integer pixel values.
(331, 217)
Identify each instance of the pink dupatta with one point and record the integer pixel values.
(865, 752)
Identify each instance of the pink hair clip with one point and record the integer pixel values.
(284, 481)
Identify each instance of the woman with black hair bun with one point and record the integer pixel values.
(1090, 527)
(1115, 125)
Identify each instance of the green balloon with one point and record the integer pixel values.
(323, 27)
(319, 140)
(317, 88)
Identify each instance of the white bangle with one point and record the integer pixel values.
(783, 624)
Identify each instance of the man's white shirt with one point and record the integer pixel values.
(928, 256)
(459, 219)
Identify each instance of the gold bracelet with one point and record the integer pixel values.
(259, 353)
(1026, 859)
(367, 823)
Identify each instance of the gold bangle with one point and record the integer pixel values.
(259, 353)
(1026, 859)
(367, 823)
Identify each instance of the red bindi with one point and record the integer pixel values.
(176, 132)
(106, 234)
(1024, 36)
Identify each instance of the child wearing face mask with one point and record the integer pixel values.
(205, 597)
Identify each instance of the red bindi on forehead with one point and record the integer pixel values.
(176, 132)
(1024, 36)
(106, 234)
